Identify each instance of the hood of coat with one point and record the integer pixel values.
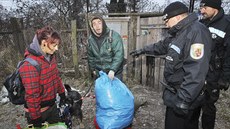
(35, 49)
(104, 26)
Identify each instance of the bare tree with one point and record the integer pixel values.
(116, 6)
(96, 6)
(4, 28)
(226, 6)
(149, 6)
(35, 14)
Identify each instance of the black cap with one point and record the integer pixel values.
(211, 3)
(174, 9)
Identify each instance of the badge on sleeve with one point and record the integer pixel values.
(197, 51)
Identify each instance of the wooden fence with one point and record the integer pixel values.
(141, 30)
(148, 68)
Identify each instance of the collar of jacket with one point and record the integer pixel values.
(218, 16)
(103, 35)
(183, 24)
(30, 51)
(33, 52)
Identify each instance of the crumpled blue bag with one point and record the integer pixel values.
(114, 103)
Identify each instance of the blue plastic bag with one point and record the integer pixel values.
(114, 103)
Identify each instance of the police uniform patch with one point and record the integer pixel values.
(169, 58)
(197, 50)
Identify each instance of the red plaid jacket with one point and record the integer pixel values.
(40, 88)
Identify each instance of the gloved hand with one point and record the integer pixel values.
(137, 52)
(111, 74)
(62, 99)
(223, 85)
(36, 122)
(181, 108)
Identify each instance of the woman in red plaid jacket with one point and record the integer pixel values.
(41, 87)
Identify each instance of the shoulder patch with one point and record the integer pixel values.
(197, 51)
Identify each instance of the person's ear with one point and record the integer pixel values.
(44, 43)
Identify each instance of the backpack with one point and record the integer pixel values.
(13, 83)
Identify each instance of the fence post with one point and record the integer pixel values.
(74, 47)
(17, 26)
(132, 46)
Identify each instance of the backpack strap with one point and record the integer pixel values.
(34, 63)
(110, 38)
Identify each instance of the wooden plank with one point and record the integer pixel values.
(131, 47)
(161, 74)
(156, 73)
(74, 47)
(17, 26)
(150, 70)
(6, 33)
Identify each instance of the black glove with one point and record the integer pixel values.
(62, 99)
(137, 52)
(181, 108)
(223, 85)
(36, 122)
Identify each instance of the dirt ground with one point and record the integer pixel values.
(150, 114)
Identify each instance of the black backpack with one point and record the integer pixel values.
(13, 83)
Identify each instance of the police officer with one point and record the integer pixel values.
(219, 68)
(187, 50)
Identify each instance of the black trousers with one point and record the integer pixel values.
(209, 109)
(174, 121)
(51, 115)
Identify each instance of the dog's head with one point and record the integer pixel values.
(74, 100)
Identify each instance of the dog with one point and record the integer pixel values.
(74, 100)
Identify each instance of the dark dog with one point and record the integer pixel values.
(74, 100)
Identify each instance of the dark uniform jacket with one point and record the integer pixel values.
(187, 51)
(105, 52)
(219, 27)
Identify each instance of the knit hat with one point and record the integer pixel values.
(174, 9)
(211, 3)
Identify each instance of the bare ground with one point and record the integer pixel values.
(150, 114)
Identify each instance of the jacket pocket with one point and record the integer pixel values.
(199, 101)
(169, 98)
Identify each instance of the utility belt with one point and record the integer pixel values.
(168, 97)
